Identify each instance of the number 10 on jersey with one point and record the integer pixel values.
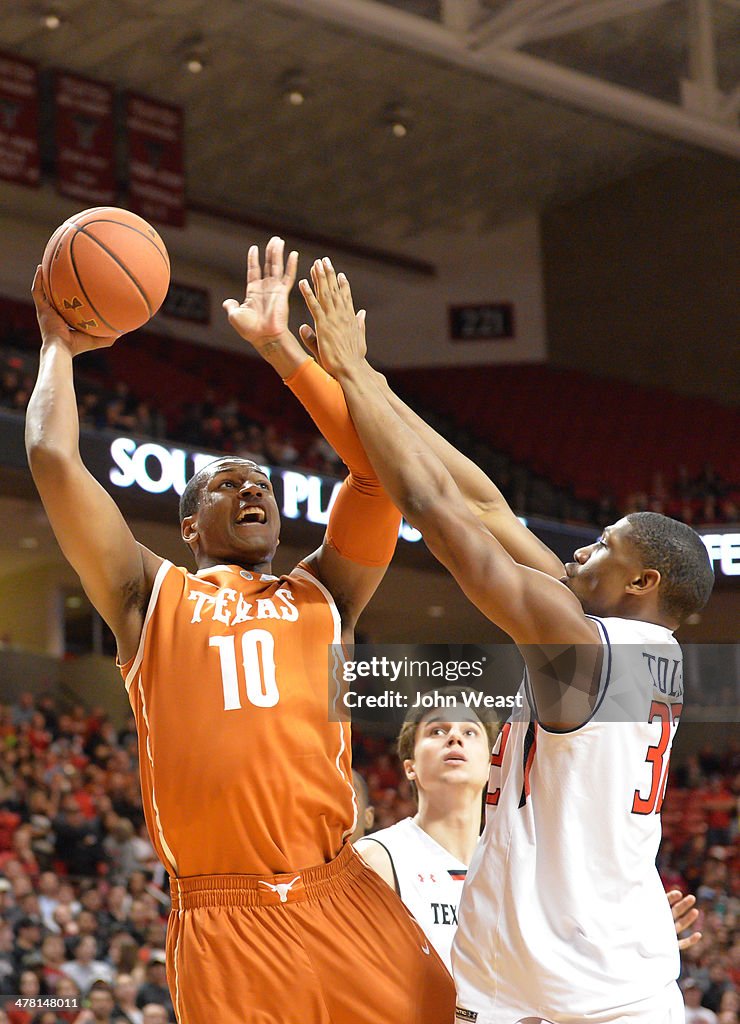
(258, 664)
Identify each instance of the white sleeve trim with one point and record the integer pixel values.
(158, 581)
(338, 655)
(304, 574)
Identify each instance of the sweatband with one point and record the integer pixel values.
(323, 399)
(363, 524)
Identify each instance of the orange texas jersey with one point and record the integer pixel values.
(241, 769)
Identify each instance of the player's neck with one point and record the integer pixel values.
(454, 823)
(643, 610)
(209, 562)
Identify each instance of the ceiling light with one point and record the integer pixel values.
(399, 120)
(28, 543)
(193, 53)
(293, 86)
(51, 20)
(435, 611)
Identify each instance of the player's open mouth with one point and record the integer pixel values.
(252, 514)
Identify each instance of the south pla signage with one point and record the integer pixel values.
(156, 469)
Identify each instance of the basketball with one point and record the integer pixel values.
(106, 271)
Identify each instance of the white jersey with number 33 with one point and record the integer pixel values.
(563, 914)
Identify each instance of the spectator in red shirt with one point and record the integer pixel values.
(38, 736)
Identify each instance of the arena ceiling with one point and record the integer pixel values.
(504, 100)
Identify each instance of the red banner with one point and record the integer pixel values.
(84, 137)
(19, 121)
(155, 160)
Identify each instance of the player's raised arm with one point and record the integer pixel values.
(363, 526)
(483, 497)
(115, 572)
(530, 605)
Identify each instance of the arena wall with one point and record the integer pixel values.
(627, 273)
(408, 320)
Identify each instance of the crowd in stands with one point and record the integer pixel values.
(704, 499)
(84, 903)
(211, 423)
(700, 854)
(220, 422)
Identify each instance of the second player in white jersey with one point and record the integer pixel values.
(425, 858)
(428, 879)
(582, 926)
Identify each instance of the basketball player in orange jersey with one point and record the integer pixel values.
(246, 781)
(563, 917)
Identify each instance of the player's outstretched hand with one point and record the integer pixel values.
(339, 338)
(53, 326)
(263, 315)
(684, 915)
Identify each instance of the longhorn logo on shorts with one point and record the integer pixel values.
(282, 888)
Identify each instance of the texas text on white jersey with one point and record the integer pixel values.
(429, 880)
(564, 916)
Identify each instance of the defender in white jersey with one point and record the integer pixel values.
(648, 570)
(425, 858)
(573, 823)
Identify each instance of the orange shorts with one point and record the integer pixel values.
(331, 944)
